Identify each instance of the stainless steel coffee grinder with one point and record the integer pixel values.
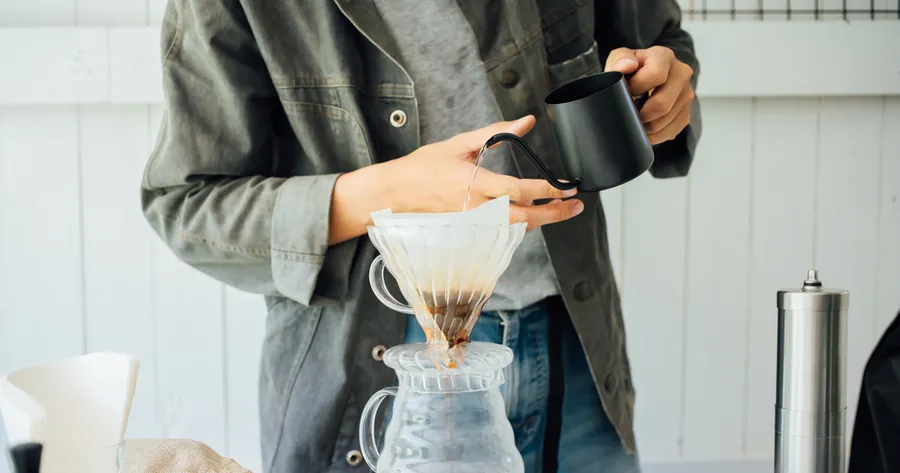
(811, 401)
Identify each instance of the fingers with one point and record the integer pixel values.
(664, 98)
(622, 60)
(552, 212)
(655, 64)
(472, 141)
(654, 124)
(670, 131)
(494, 185)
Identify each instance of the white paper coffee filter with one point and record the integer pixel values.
(492, 212)
(437, 258)
(81, 406)
(24, 420)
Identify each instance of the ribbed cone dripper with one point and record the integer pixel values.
(445, 272)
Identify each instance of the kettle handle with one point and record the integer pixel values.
(367, 442)
(640, 100)
(545, 172)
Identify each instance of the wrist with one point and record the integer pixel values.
(356, 195)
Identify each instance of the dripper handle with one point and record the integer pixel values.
(376, 280)
(545, 172)
(367, 441)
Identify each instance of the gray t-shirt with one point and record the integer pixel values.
(441, 54)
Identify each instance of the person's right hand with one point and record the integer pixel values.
(435, 178)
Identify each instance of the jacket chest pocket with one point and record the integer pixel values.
(331, 139)
(583, 64)
(567, 27)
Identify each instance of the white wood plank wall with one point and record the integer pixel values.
(780, 185)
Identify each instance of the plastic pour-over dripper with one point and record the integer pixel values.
(446, 265)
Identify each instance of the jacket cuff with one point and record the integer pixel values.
(304, 267)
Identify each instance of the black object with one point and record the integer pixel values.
(26, 457)
(602, 141)
(553, 421)
(876, 430)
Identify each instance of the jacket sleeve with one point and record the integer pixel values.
(640, 24)
(209, 189)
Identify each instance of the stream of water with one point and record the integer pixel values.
(478, 163)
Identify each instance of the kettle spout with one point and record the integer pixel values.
(542, 168)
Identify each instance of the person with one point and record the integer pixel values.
(287, 123)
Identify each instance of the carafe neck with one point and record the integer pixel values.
(474, 366)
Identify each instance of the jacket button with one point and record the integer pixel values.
(354, 457)
(398, 118)
(378, 352)
(509, 78)
(610, 383)
(583, 291)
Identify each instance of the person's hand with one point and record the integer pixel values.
(436, 177)
(658, 71)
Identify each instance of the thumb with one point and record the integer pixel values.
(475, 139)
(623, 60)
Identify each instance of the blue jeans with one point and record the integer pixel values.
(587, 442)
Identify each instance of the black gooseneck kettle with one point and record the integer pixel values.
(602, 141)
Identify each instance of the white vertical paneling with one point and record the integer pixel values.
(6, 198)
(189, 351)
(7, 355)
(118, 291)
(716, 315)
(111, 13)
(134, 71)
(686, 7)
(245, 316)
(653, 306)
(155, 10)
(847, 203)
(887, 303)
(40, 242)
(59, 66)
(37, 12)
(155, 112)
(781, 245)
(612, 208)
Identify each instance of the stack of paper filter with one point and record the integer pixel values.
(74, 410)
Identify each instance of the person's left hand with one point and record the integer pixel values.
(658, 71)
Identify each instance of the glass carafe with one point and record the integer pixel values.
(443, 420)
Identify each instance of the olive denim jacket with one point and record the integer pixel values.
(267, 103)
